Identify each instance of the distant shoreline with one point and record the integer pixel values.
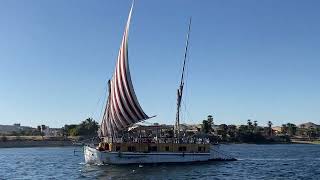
(39, 141)
(44, 143)
(68, 143)
(305, 142)
(272, 143)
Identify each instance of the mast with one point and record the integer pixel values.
(180, 89)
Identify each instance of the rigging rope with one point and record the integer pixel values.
(94, 111)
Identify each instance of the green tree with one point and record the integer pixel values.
(318, 131)
(205, 126)
(255, 124)
(210, 121)
(255, 127)
(223, 131)
(39, 128)
(250, 126)
(292, 129)
(232, 130)
(70, 130)
(74, 131)
(243, 129)
(311, 132)
(88, 127)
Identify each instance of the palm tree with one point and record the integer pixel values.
(255, 124)
(40, 130)
(250, 127)
(210, 120)
(292, 129)
(269, 128)
(205, 126)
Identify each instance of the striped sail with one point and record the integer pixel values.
(122, 109)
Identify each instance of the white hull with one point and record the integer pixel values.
(93, 156)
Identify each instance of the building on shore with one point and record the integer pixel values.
(47, 131)
(277, 129)
(9, 129)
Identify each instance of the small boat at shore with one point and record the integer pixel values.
(123, 111)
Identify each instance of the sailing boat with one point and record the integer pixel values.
(123, 110)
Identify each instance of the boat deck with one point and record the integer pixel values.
(154, 147)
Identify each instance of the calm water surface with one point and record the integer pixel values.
(255, 162)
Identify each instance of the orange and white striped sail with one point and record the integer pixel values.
(122, 109)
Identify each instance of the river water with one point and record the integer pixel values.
(291, 161)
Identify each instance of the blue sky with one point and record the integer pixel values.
(247, 59)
